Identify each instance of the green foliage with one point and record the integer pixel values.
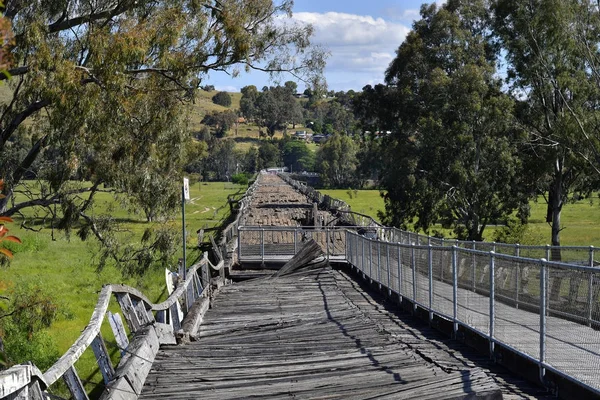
(337, 162)
(221, 122)
(222, 99)
(453, 156)
(108, 104)
(268, 156)
(273, 108)
(23, 325)
(517, 232)
(297, 156)
(551, 58)
(240, 179)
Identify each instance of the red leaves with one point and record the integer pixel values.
(4, 237)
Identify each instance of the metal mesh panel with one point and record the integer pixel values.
(536, 252)
(569, 300)
(279, 243)
(422, 274)
(249, 243)
(473, 289)
(337, 240)
(376, 254)
(519, 328)
(442, 301)
(392, 256)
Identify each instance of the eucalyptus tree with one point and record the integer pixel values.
(99, 91)
(452, 157)
(337, 162)
(547, 70)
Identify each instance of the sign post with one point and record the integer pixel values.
(185, 195)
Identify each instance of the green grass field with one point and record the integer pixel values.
(65, 267)
(580, 220)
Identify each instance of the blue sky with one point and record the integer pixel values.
(362, 37)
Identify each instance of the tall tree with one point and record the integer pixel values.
(557, 100)
(453, 155)
(337, 162)
(100, 88)
(276, 107)
(297, 156)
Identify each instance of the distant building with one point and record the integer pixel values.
(300, 135)
(319, 138)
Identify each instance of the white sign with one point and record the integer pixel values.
(186, 188)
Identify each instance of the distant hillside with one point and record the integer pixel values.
(204, 105)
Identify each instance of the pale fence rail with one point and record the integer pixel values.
(150, 325)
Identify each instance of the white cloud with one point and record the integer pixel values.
(341, 29)
(227, 88)
(360, 45)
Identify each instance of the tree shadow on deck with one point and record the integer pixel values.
(357, 341)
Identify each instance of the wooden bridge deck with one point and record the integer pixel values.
(317, 334)
(314, 335)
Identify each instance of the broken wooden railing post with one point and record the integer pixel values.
(129, 312)
(116, 324)
(74, 384)
(102, 358)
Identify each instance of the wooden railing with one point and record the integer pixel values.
(150, 326)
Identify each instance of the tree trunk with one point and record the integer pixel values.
(553, 213)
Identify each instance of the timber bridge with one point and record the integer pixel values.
(358, 310)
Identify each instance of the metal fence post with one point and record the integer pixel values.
(430, 266)
(414, 276)
(379, 263)
(400, 271)
(474, 267)
(389, 274)
(362, 262)
(590, 288)
(543, 287)
(262, 245)
(327, 241)
(454, 292)
(347, 248)
(518, 276)
(370, 260)
(295, 241)
(492, 302)
(239, 244)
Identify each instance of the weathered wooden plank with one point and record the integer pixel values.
(118, 329)
(193, 319)
(84, 340)
(136, 364)
(165, 334)
(74, 384)
(297, 334)
(103, 359)
(21, 382)
(307, 253)
(129, 312)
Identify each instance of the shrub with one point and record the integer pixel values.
(240, 179)
(222, 99)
